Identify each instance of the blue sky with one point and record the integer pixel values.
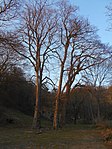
(95, 11)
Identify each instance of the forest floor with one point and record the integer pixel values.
(70, 137)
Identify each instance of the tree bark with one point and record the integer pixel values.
(56, 110)
(37, 112)
(36, 119)
(64, 104)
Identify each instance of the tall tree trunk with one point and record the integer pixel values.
(37, 112)
(56, 113)
(36, 119)
(57, 101)
(64, 104)
(63, 113)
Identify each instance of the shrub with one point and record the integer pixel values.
(107, 135)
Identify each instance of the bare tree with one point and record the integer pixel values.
(37, 35)
(7, 60)
(65, 38)
(98, 76)
(81, 49)
(8, 12)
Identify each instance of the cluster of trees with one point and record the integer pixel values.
(61, 48)
(89, 105)
(16, 92)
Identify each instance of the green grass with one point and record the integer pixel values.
(19, 119)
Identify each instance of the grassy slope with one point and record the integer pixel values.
(19, 119)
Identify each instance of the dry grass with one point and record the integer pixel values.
(71, 137)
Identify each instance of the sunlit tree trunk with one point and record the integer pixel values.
(58, 96)
(36, 119)
(37, 111)
(64, 104)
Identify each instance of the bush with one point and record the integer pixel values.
(107, 135)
